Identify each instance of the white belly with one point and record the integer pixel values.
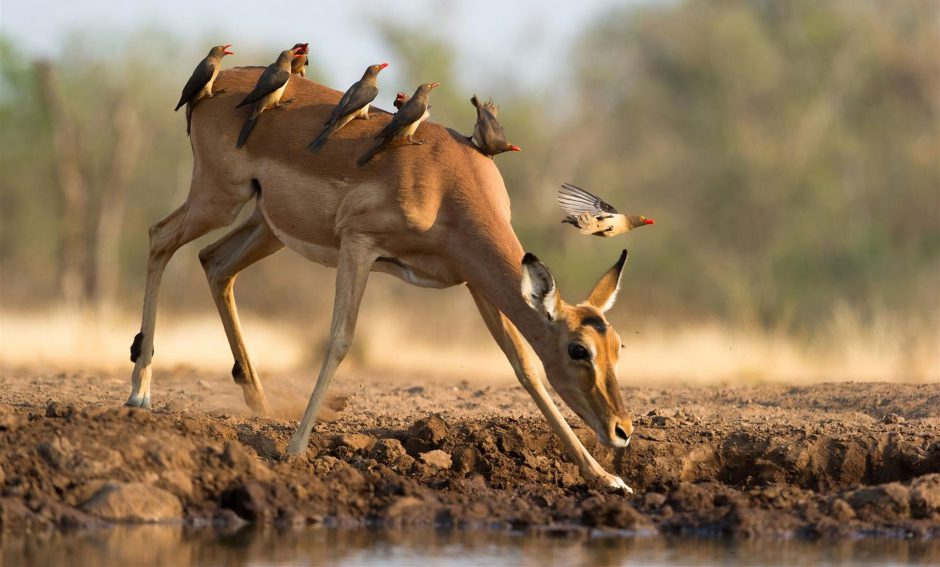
(271, 100)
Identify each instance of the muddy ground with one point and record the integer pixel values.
(830, 460)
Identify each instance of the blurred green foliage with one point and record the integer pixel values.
(787, 150)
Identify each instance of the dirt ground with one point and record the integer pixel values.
(829, 460)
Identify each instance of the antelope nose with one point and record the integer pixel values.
(622, 432)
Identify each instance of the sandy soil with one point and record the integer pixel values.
(828, 460)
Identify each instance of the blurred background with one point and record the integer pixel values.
(788, 151)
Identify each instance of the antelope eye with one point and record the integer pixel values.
(578, 351)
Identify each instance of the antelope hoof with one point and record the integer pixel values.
(142, 402)
(612, 482)
(297, 445)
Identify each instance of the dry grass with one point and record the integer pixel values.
(691, 354)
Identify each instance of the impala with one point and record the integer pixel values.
(435, 215)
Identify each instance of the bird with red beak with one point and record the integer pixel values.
(354, 104)
(298, 66)
(488, 133)
(404, 123)
(591, 215)
(199, 85)
(267, 92)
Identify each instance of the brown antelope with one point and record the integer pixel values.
(435, 215)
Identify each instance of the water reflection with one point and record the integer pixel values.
(178, 546)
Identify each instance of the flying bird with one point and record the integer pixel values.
(488, 133)
(354, 104)
(267, 92)
(298, 65)
(404, 123)
(199, 85)
(591, 215)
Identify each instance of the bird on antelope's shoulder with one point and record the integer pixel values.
(298, 65)
(591, 215)
(488, 133)
(400, 99)
(354, 104)
(267, 92)
(199, 85)
(404, 123)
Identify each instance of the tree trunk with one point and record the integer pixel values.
(124, 160)
(73, 260)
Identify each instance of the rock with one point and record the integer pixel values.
(9, 420)
(614, 513)
(387, 451)
(415, 390)
(178, 481)
(57, 409)
(56, 453)
(892, 418)
(357, 442)
(663, 421)
(250, 501)
(925, 496)
(134, 502)
(841, 510)
(653, 500)
(425, 435)
(885, 502)
(653, 434)
(437, 458)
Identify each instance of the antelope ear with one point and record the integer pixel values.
(538, 287)
(605, 292)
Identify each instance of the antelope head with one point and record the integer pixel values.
(589, 347)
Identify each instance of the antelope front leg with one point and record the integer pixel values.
(511, 343)
(352, 272)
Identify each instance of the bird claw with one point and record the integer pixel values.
(218, 92)
(284, 103)
(418, 142)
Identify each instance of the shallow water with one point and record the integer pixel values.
(178, 546)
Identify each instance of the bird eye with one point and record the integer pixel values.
(642, 218)
(577, 351)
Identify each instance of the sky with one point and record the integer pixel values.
(525, 40)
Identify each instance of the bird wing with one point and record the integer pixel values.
(202, 74)
(575, 201)
(353, 100)
(272, 79)
(409, 113)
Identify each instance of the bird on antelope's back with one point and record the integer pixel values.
(354, 104)
(591, 215)
(404, 123)
(267, 92)
(199, 85)
(298, 66)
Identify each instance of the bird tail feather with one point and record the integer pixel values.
(246, 131)
(322, 138)
(371, 153)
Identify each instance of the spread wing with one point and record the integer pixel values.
(576, 201)
(202, 74)
(353, 100)
(272, 79)
(409, 113)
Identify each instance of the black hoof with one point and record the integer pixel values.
(238, 373)
(135, 347)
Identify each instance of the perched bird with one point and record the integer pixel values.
(593, 216)
(400, 99)
(267, 92)
(298, 66)
(199, 85)
(354, 104)
(404, 123)
(488, 133)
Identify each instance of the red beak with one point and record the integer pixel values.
(226, 51)
(435, 85)
(649, 221)
(514, 148)
(382, 66)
